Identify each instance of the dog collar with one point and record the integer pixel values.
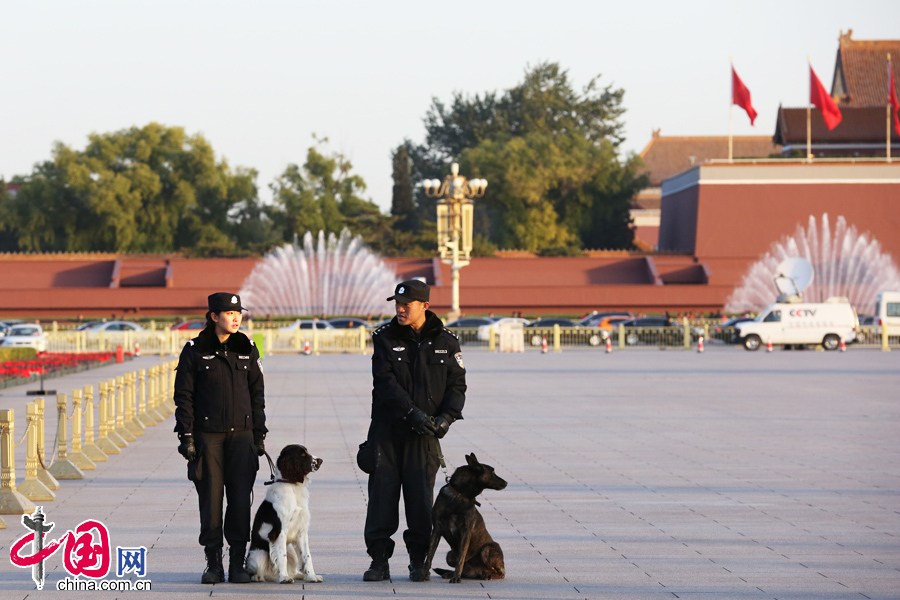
(461, 497)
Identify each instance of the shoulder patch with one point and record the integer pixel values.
(458, 357)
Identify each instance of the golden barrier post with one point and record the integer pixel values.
(145, 412)
(117, 439)
(119, 383)
(169, 391)
(687, 333)
(885, 347)
(621, 337)
(77, 456)
(63, 468)
(492, 343)
(43, 474)
(90, 449)
(556, 333)
(11, 501)
(104, 441)
(131, 421)
(32, 488)
(362, 339)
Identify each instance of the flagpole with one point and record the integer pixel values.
(888, 110)
(731, 117)
(808, 116)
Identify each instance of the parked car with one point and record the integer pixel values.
(347, 323)
(192, 324)
(606, 324)
(470, 322)
(114, 326)
(866, 320)
(484, 331)
(535, 338)
(721, 332)
(88, 325)
(632, 338)
(595, 318)
(307, 324)
(27, 335)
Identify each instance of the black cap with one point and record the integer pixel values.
(411, 291)
(223, 301)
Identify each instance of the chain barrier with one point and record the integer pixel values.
(27, 427)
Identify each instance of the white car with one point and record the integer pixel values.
(306, 324)
(484, 330)
(110, 326)
(28, 335)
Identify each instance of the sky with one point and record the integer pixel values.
(259, 79)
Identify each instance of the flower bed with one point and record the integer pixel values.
(49, 363)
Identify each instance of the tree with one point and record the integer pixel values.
(402, 205)
(149, 189)
(549, 152)
(323, 194)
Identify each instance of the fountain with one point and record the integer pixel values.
(846, 263)
(337, 276)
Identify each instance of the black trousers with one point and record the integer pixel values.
(407, 463)
(230, 464)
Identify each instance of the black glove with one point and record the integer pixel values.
(259, 442)
(442, 425)
(186, 447)
(420, 422)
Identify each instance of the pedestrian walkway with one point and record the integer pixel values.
(638, 474)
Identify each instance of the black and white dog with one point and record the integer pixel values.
(279, 541)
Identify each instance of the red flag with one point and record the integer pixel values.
(895, 105)
(740, 95)
(819, 98)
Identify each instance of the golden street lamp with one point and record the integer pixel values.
(455, 215)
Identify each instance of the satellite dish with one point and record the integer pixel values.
(793, 276)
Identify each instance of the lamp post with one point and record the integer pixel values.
(455, 213)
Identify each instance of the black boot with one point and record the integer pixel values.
(236, 571)
(417, 570)
(215, 572)
(379, 569)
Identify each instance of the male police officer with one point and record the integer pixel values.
(419, 387)
(220, 418)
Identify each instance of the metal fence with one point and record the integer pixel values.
(359, 340)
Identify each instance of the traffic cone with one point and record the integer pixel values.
(137, 348)
(843, 345)
(700, 344)
(608, 345)
(769, 344)
(306, 349)
(544, 345)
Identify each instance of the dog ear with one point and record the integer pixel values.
(473, 462)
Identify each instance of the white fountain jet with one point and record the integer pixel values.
(844, 263)
(337, 276)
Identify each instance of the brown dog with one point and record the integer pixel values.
(473, 552)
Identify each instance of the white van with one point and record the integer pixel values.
(801, 323)
(887, 311)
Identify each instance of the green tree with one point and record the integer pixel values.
(149, 189)
(323, 194)
(402, 204)
(549, 152)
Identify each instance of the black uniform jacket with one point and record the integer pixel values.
(427, 373)
(219, 387)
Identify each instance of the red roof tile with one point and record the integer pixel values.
(666, 156)
(857, 126)
(860, 72)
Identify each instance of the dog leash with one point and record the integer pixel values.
(441, 458)
(271, 469)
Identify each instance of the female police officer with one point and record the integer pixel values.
(220, 420)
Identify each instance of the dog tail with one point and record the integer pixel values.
(444, 573)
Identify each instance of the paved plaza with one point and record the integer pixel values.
(639, 474)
